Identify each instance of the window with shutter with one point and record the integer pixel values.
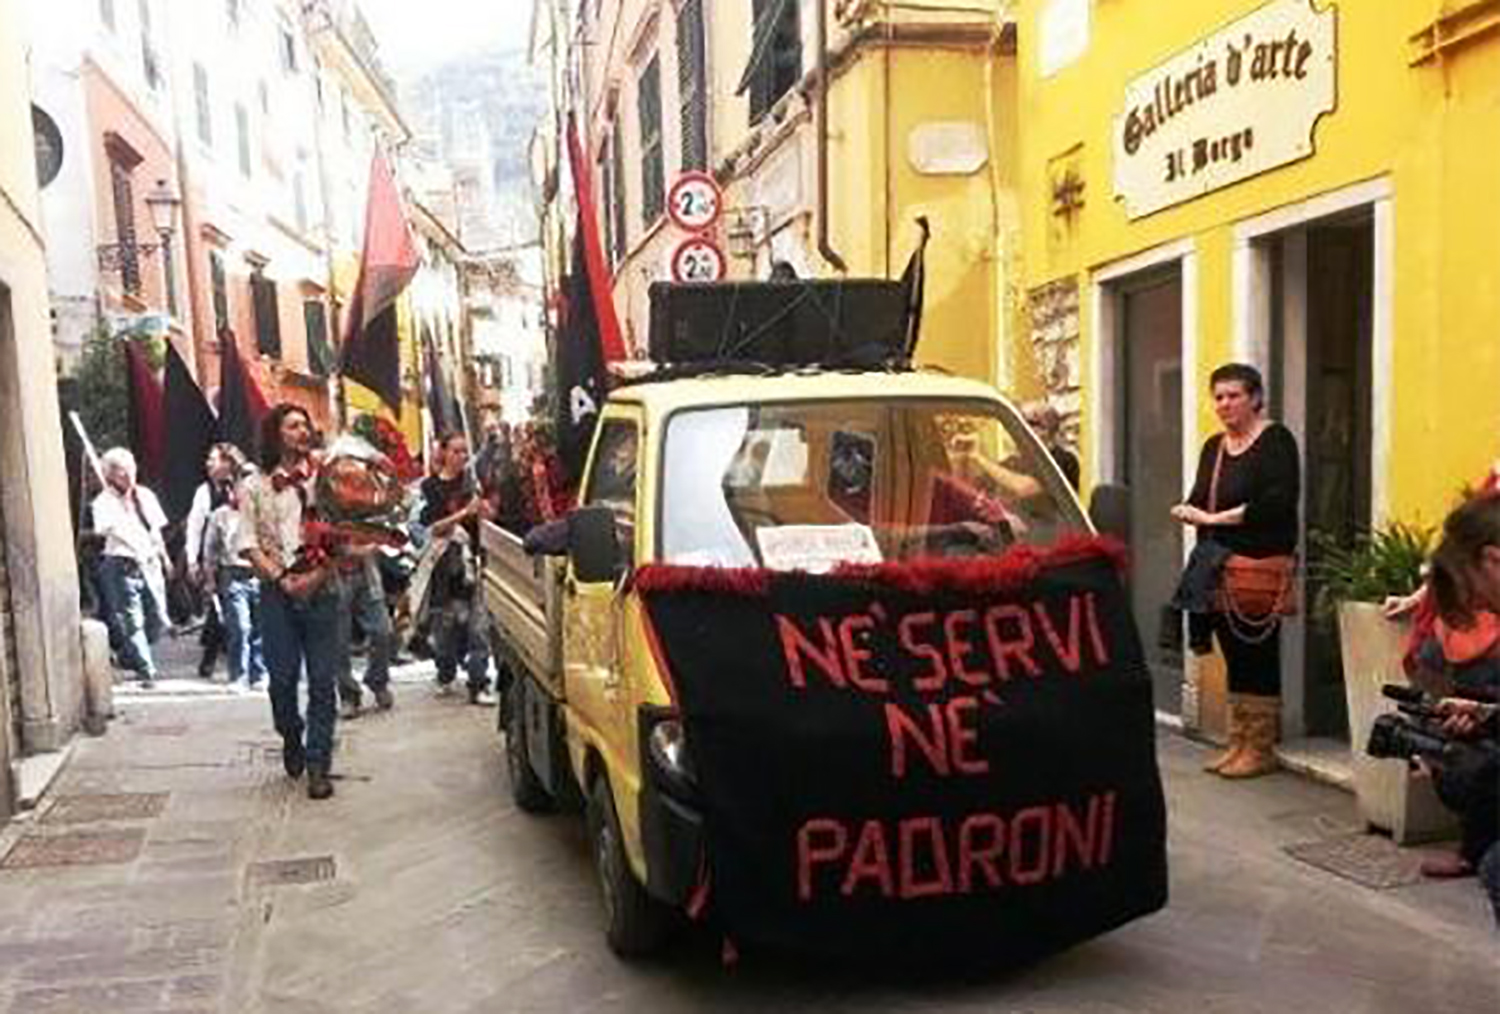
(653, 183)
(204, 110)
(221, 291)
(319, 354)
(107, 13)
(692, 85)
(776, 57)
(123, 193)
(617, 191)
(242, 128)
(267, 322)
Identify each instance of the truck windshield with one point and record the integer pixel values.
(809, 485)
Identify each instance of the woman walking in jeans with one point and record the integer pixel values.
(300, 597)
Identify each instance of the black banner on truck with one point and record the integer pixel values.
(950, 758)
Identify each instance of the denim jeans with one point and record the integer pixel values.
(297, 632)
(460, 634)
(364, 600)
(239, 607)
(134, 614)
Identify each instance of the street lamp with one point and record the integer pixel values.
(163, 205)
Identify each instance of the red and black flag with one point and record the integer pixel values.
(241, 405)
(371, 353)
(589, 334)
(188, 439)
(148, 430)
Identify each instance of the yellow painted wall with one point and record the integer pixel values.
(877, 194)
(1430, 130)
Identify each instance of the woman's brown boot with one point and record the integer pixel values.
(1236, 741)
(1262, 723)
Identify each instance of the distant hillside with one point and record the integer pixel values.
(482, 110)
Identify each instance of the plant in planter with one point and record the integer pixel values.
(1353, 580)
(1387, 561)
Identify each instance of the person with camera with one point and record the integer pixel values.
(1465, 582)
(1244, 503)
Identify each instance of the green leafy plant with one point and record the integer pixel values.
(1387, 561)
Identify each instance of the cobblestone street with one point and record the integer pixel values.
(172, 867)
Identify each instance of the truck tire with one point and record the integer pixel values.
(636, 924)
(526, 789)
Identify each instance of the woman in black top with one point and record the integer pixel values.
(1251, 510)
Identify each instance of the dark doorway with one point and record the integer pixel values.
(1149, 450)
(1337, 455)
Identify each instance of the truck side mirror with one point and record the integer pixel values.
(593, 544)
(1109, 509)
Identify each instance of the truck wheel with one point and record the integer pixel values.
(636, 924)
(526, 788)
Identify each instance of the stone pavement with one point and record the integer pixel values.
(174, 868)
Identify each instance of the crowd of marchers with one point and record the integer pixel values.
(277, 605)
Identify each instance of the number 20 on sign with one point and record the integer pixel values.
(697, 259)
(694, 202)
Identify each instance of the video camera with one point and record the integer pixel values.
(1417, 731)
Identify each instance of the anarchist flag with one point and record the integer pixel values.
(371, 354)
(241, 404)
(188, 439)
(913, 285)
(579, 369)
(148, 429)
(441, 404)
(946, 759)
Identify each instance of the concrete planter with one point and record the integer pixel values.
(1390, 796)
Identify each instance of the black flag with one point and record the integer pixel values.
(241, 405)
(190, 433)
(913, 282)
(580, 367)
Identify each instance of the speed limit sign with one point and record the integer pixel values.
(697, 259)
(694, 202)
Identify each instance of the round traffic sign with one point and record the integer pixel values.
(697, 259)
(694, 202)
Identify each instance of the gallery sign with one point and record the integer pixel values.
(1244, 100)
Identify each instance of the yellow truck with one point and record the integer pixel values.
(928, 500)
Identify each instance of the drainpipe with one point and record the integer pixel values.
(824, 247)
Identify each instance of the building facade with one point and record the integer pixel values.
(1288, 183)
(830, 126)
(41, 684)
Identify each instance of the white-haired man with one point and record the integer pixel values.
(130, 520)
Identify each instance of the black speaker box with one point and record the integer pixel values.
(860, 322)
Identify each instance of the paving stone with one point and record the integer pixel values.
(96, 807)
(82, 848)
(93, 996)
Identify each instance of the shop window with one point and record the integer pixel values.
(776, 58)
(692, 85)
(267, 321)
(653, 184)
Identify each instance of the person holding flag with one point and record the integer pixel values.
(130, 520)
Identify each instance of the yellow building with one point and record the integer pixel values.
(1308, 187)
(918, 106)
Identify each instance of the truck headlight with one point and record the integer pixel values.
(668, 745)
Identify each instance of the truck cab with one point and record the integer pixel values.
(802, 470)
